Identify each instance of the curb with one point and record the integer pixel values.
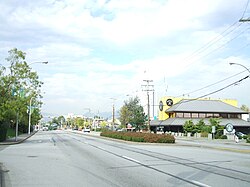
(18, 142)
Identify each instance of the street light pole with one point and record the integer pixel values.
(45, 62)
(30, 114)
(243, 67)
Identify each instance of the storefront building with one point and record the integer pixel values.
(174, 112)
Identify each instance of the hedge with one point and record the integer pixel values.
(248, 138)
(3, 130)
(140, 137)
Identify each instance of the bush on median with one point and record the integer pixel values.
(140, 137)
(248, 138)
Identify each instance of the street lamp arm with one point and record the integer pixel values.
(45, 62)
(232, 63)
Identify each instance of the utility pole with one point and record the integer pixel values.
(153, 104)
(113, 113)
(148, 88)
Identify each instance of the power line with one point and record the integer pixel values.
(216, 49)
(232, 84)
(245, 9)
(213, 41)
(212, 84)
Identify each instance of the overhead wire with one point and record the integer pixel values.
(245, 9)
(219, 37)
(222, 35)
(216, 49)
(232, 84)
(223, 45)
(212, 84)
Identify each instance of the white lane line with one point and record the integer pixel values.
(128, 158)
(101, 148)
(200, 184)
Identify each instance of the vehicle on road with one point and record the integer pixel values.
(75, 128)
(45, 128)
(86, 130)
(121, 130)
(240, 134)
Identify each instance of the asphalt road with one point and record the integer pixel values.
(61, 158)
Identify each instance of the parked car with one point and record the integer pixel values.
(121, 130)
(45, 128)
(240, 134)
(75, 128)
(86, 130)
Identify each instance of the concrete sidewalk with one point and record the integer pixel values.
(218, 144)
(21, 138)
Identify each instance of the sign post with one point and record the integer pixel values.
(213, 131)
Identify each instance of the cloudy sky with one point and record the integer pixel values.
(100, 51)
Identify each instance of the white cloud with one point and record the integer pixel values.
(102, 49)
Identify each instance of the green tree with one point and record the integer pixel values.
(125, 115)
(219, 128)
(18, 84)
(80, 122)
(189, 127)
(201, 126)
(245, 108)
(61, 120)
(132, 112)
(103, 124)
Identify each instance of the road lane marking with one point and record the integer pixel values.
(131, 159)
(101, 148)
(200, 184)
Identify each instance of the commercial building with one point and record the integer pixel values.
(174, 112)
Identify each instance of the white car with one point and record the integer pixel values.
(86, 130)
(45, 128)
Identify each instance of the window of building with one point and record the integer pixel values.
(187, 115)
(216, 115)
(202, 115)
(195, 115)
(171, 115)
(179, 115)
(209, 115)
(224, 115)
(235, 115)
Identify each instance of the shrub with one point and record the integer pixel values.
(204, 134)
(244, 137)
(248, 138)
(223, 137)
(3, 130)
(140, 137)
